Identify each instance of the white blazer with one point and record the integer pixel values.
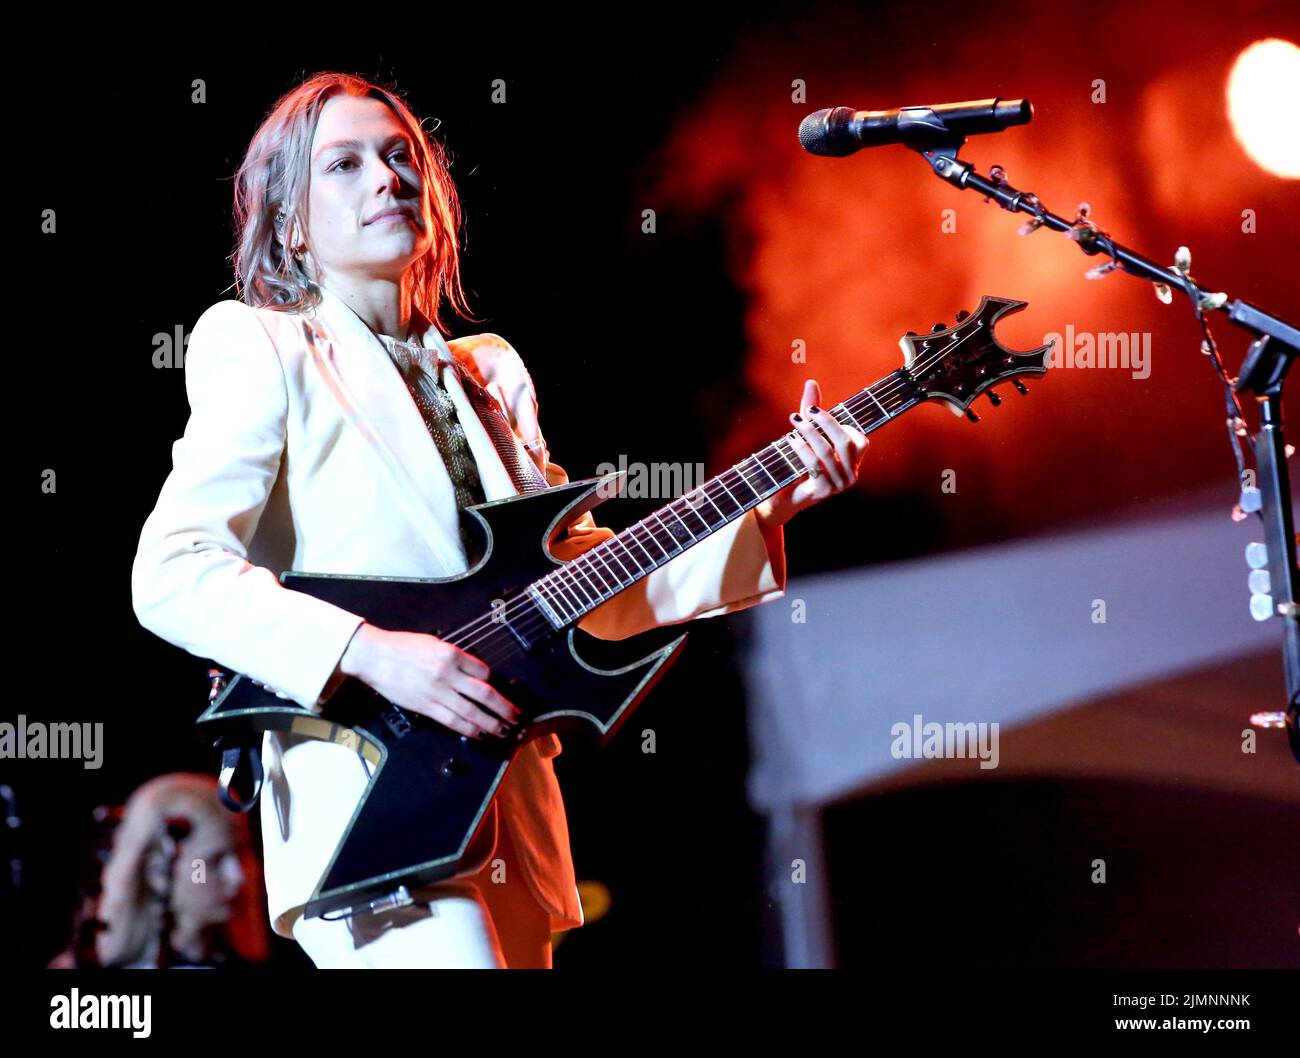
(304, 451)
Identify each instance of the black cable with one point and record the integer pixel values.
(1231, 404)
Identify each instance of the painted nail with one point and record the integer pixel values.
(813, 408)
(796, 416)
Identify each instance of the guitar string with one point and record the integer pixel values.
(533, 620)
(764, 459)
(639, 534)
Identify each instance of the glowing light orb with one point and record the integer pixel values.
(1264, 105)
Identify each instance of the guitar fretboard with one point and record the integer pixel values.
(576, 588)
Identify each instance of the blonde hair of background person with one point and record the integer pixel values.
(215, 905)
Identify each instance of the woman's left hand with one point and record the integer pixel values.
(831, 451)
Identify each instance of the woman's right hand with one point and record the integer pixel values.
(428, 675)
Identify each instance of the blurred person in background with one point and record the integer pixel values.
(180, 887)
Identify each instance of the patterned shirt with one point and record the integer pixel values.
(439, 414)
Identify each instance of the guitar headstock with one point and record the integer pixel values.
(956, 364)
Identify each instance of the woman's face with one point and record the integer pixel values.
(205, 895)
(362, 165)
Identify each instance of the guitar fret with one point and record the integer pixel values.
(568, 596)
(667, 539)
(581, 571)
(547, 590)
(686, 525)
(642, 546)
(621, 571)
(798, 468)
(655, 537)
(644, 538)
(768, 473)
(616, 558)
(680, 519)
(632, 554)
(598, 556)
(735, 467)
(852, 418)
(710, 499)
(728, 493)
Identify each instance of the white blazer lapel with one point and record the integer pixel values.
(363, 379)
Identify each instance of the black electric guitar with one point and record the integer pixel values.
(516, 610)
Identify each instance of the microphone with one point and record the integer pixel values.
(840, 131)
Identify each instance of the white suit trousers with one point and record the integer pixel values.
(483, 921)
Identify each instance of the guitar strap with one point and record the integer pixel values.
(236, 763)
(518, 463)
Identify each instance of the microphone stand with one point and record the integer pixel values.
(1272, 351)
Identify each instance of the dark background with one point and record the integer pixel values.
(664, 347)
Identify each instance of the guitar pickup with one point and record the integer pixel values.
(524, 644)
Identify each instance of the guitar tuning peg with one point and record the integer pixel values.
(937, 327)
(970, 414)
(1019, 385)
(994, 399)
(963, 314)
(911, 334)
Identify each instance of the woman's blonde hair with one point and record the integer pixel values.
(130, 904)
(271, 199)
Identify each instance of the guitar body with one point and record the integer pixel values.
(432, 786)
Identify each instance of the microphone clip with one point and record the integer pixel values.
(941, 153)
